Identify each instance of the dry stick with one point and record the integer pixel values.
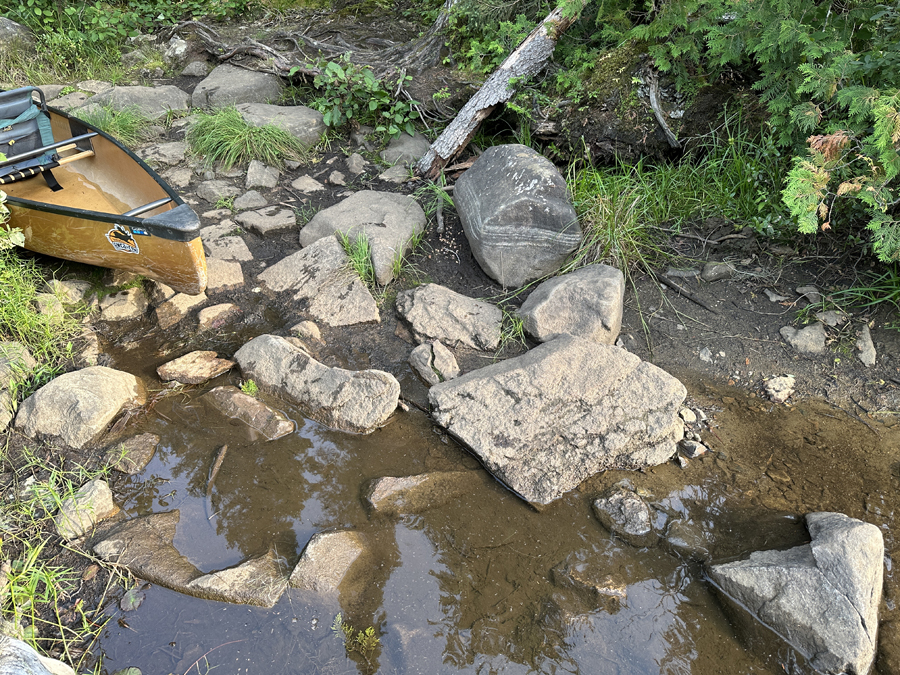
(657, 111)
(527, 60)
(683, 291)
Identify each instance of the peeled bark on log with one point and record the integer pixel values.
(527, 60)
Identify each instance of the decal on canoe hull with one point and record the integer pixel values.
(122, 240)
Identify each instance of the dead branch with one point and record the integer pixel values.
(528, 59)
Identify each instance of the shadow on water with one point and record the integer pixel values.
(475, 586)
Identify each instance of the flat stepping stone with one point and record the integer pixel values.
(320, 278)
(223, 275)
(128, 305)
(152, 103)
(261, 175)
(437, 313)
(268, 220)
(175, 310)
(234, 403)
(304, 124)
(307, 185)
(194, 368)
(260, 582)
(327, 560)
(217, 316)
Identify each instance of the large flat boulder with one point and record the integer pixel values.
(304, 124)
(822, 597)
(566, 410)
(437, 313)
(229, 85)
(388, 221)
(76, 407)
(320, 278)
(587, 302)
(357, 401)
(515, 210)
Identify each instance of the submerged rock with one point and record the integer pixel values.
(259, 581)
(515, 210)
(625, 514)
(437, 313)
(77, 407)
(132, 455)
(232, 402)
(590, 578)
(566, 410)
(587, 302)
(358, 401)
(822, 597)
(326, 561)
(414, 494)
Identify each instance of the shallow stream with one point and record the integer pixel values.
(470, 587)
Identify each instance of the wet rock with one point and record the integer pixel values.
(358, 401)
(132, 455)
(307, 185)
(214, 190)
(261, 175)
(587, 302)
(16, 366)
(194, 368)
(76, 407)
(780, 389)
(268, 220)
(386, 220)
(437, 313)
(259, 581)
(217, 316)
(19, 658)
(223, 275)
(250, 200)
(685, 539)
(304, 124)
(392, 496)
(318, 276)
(164, 154)
(307, 330)
(809, 341)
(515, 210)
(822, 597)
(433, 362)
(160, 292)
(692, 449)
(810, 293)
(229, 85)
(715, 271)
(356, 164)
(127, 305)
(234, 403)
(865, 347)
(152, 103)
(625, 514)
(590, 578)
(405, 149)
(175, 310)
(88, 351)
(144, 545)
(326, 561)
(79, 513)
(566, 410)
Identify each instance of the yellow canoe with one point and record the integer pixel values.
(112, 211)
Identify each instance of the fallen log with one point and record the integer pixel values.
(528, 59)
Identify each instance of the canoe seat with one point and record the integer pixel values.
(27, 139)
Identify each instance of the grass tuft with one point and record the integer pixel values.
(360, 254)
(127, 125)
(224, 137)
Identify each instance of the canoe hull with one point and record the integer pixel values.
(83, 221)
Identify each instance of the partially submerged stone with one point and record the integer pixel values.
(132, 455)
(127, 305)
(327, 560)
(566, 410)
(79, 513)
(587, 302)
(217, 316)
(358, 401)
(320, 278)
(437, 313)
(176, 309)
(76, 407)
(822, 597)
(392, 496)
(590, 578)
(194, 368)
(259, 581)
(624, 513)
(232, 402)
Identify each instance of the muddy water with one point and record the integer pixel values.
(469, 587)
